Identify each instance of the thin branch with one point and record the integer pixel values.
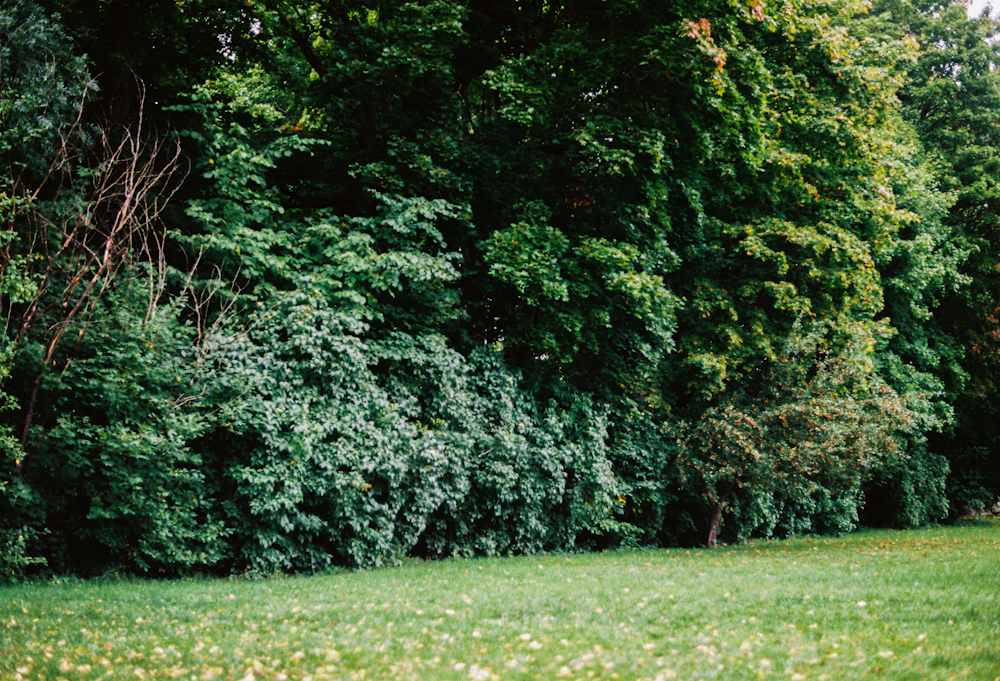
(302, 42)
(112, 222)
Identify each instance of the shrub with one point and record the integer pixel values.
(794, 452)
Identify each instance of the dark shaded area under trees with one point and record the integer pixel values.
(292, 285)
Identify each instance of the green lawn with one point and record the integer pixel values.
(894, 605)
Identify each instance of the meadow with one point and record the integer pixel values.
(900, 605)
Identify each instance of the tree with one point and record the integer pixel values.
(41, 87)
(505, 246)
(952, 98)
(166, 46)
(818, 423)
(601, 176)
(83, 254)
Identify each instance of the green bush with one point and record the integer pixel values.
(115, 481)
(793, 453)
(342, 450)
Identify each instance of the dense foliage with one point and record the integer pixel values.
(290, 285)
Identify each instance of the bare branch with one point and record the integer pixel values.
(99, 220)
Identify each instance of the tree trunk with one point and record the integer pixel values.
(713, 526)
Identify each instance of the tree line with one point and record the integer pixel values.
(293, 285)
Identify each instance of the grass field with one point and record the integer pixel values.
(900, 606)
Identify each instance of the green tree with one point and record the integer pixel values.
(42, 85)
(818, 424)
(614, 175)
(100, 450)
(166, 46)
(952, 99)
(445, 277)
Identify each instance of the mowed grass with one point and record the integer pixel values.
(894, 605)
